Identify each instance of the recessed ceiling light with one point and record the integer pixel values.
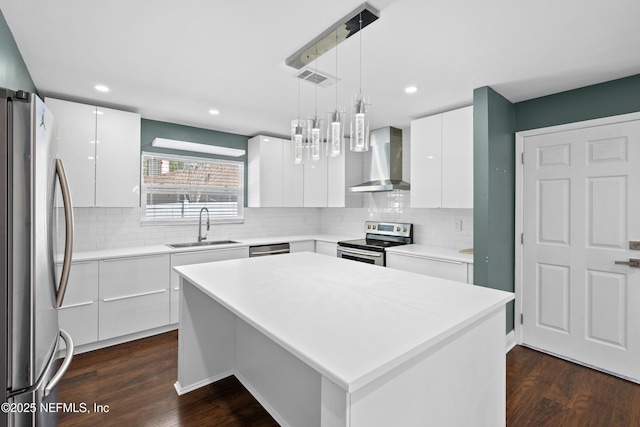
(411, 89)
(101, 88)
(214, 112)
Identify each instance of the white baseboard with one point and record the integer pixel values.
(180, 390)
(511, 340)
(118, 340)
(270, 409)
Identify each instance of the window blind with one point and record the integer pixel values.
(176, 188)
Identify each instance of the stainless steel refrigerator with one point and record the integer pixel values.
(32, 181)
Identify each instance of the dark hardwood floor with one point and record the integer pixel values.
(135, 380)
(546, 391)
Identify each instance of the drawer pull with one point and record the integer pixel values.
(80, 304)
(127, 258)
(134, 295)
(449, 261)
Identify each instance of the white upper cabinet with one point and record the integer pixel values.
(292, 178)
(426, 162)
(100, 148)
(273, 179)
(342, 172)
(118, 158)
(264, 172)
(315, 184)
(457, 158)
(442, 160)
(76, 147)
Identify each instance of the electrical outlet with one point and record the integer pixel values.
(457, 225)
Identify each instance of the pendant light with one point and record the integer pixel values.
(298, 129)
(335, 121)
(315, 133)
(360, 113)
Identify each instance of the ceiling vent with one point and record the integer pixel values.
(315, 77)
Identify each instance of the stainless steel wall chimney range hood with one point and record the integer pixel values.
(386, 162)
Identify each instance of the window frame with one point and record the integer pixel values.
(145, 220)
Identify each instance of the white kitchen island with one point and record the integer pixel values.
(323, 341)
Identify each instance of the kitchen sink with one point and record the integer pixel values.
(205, 243)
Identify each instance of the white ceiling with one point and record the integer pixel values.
(175, 60)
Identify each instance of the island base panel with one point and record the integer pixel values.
(459, 382)
(206, 340)
(287, 387)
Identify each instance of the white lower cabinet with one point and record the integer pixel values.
(436, 267)
(302, 246)
(326, 248)
(197, 257)
(78, 314)
(134, 295)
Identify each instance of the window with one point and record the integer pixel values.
(176, 188)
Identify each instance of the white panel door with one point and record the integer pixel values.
(581, 209)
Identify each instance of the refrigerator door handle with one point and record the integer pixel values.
(68, 241)
(65, 364)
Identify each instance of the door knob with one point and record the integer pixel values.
(633, 262)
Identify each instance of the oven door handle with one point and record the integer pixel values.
(358, 252)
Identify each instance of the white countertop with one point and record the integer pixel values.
(349, 321)
(163, 249)
(423, 251)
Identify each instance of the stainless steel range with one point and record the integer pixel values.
(380, 235)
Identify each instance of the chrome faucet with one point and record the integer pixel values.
(200, 237)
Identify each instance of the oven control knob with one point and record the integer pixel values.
(404, 229)
(374, 227)
(369, 227)
(397, 228)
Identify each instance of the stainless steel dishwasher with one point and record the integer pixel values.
(265, 250)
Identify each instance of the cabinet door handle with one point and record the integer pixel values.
(125, 258)
(80, 304)
(134, 295)
(449, 261)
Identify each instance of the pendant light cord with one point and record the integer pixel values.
(336, 70)
(360, 88)
(298, 124)
(316, 89)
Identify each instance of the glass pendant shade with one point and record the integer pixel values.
(335, 131)
(298, 137)
(360, 124)
(316, 138)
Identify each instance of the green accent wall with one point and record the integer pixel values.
(494, 196)
(151, 129)
(611, 98)
(13, 71)
(496, 121)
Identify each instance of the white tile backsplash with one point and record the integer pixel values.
(433, 227)
(110, 228)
